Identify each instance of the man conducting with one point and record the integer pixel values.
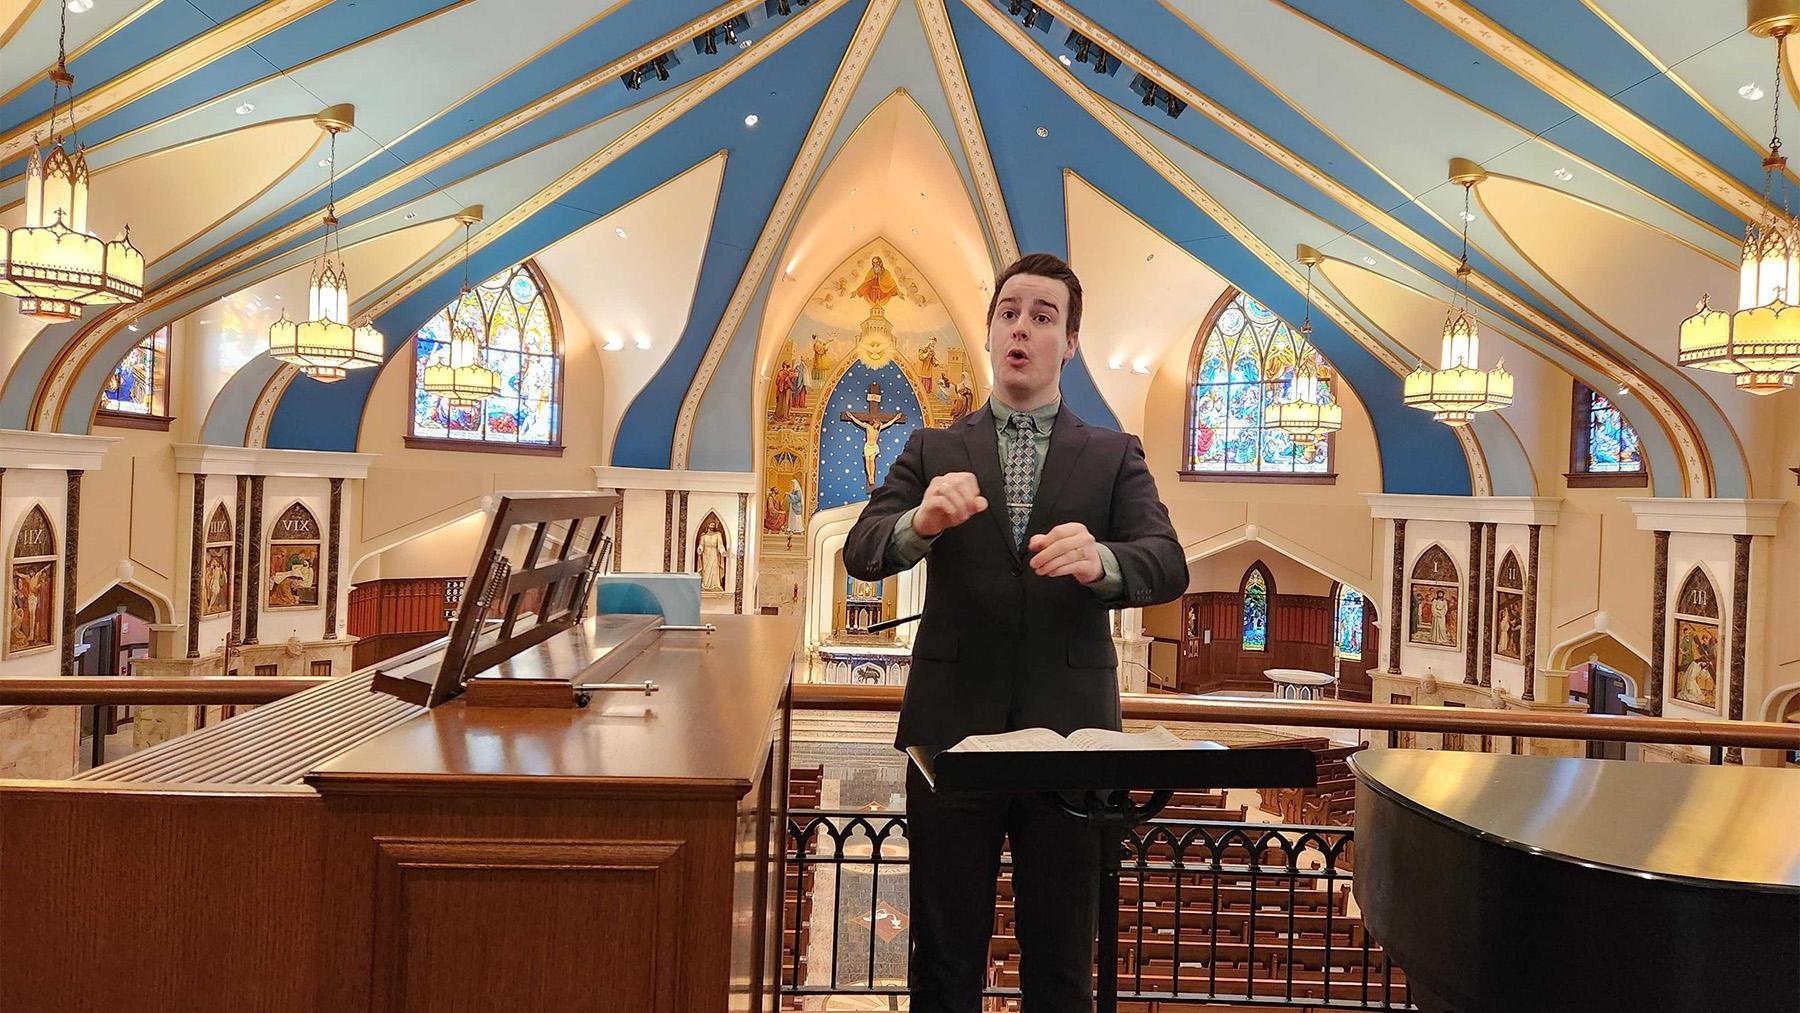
(1036, 525)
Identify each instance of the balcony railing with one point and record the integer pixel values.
(1212, 911)
(1253, 914)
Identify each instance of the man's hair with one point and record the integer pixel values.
(1044, 265)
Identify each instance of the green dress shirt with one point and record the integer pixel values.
(906, 546)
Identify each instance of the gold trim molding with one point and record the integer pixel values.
(955, 81)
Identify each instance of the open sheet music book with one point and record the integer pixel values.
(1081, 740)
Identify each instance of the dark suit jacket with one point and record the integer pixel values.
(1000, 648)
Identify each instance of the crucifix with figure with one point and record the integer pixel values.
(872, 422)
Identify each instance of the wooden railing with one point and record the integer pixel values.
(1380, 717)
(110, 690)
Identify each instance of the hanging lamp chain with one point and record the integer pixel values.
(1776, 162)
(1463, 300)
(467, 228)
(1306, 323)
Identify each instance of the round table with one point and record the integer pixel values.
(1298, 683)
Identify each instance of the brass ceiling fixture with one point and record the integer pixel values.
(326, 346)
(1459, 388)
(52, 264)
(1758, 344)
(1307, 412)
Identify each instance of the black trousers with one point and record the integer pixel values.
(954, 844)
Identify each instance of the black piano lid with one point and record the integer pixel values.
(1730, 827)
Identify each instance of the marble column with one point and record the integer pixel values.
(1531, 605)
(1472, 608)
(239, 520)
(72, 536)
(1659, 625)
(336, 534)
(1397, 599)
(253, 570)
(668, 529)
(1492, 534)
(737, 597)
(681, 537)
(1740, 619)
(194, 567)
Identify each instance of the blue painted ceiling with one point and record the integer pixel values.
(1255, 130)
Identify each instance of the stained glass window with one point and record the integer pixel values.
(1605, 444)
(1256, 609)
(1349, 624)
(1245, 359)
(512, 313)
(139, 384)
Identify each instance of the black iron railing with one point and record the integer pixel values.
(1253, 914)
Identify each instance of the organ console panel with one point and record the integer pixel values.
(345, 849)
(1506, 883)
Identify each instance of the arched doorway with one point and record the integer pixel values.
(110, 633)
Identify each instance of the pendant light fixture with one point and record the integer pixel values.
(52, 264)
(1460, 389)
(325, 346)
(461, 375)
(1758, 344)
(1307, 412)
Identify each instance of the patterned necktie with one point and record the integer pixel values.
(1021, 472)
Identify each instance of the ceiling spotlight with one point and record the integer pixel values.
(614, 343)
(1082, 49)
(643, 342)
(1369, 261)
(784, 7)
(1467, 216)
(661, 66)
(730, 33)
(80, 6)
(1100, 59)
(751, 120)
(744, 44)
(1751, 91)
(709, 45)
(1149, 257)
(1141, 367)
(852, 228)
(1563, 174)
(324, 163)
(245, 109)
(633, 78)
(1043, 131)
(1149, 94)
(1065, 61)
(915, 232)
(133, 328)
(410, 215)
(1172, 105)
(1031, 16)
(1015, 7)
(619, 231)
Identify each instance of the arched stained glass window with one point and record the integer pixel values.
(1348, 623)
(520, 336)
(1257, 588)
(139, 385)
(1603, 442)
(1245, 359)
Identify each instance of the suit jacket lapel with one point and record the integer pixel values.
(983, 445)
(1068, 435)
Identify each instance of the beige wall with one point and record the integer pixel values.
(1327, 527)
(1224, 571)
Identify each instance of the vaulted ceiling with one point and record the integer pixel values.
(1621, 139)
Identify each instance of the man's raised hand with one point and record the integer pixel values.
(950, 499)
(1066, 550)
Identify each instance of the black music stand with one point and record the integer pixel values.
(1102, 778)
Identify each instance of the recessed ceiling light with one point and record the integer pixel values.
(324, 163)
(1066, 61)
(620, 232)
(1563, 174)
(1116, 362)
(245, 109)
(80, 6)
(1149, 257)
(1043, 131)
(915, 232)
(410, 215)
(1369, 261)
(744, 44)
(1751, 91)
(852, 228)
(133, 328)
(614, 343)
(922, 195)
(853, 191)
(1467, 216)
(643, 342)
(751, 120)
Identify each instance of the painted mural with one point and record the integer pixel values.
(871, 357)
(294, 561)
(1435, 600)
(1509, 609)
(31, 585)
(216, 569)
(1696, 677)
